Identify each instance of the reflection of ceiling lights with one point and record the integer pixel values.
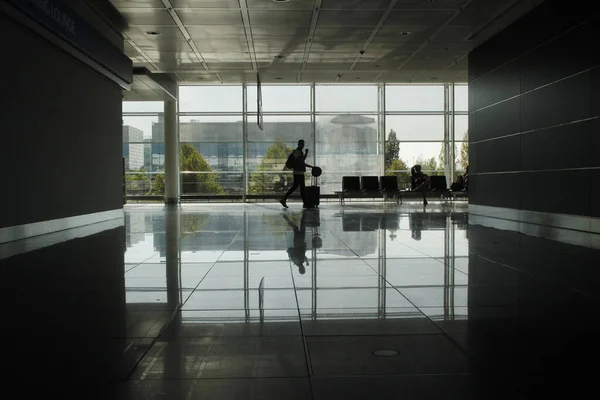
(153, 33)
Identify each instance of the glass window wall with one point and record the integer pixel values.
(143, 147)
(345, 128)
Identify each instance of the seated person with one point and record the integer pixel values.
(420, 181)
(462, 182)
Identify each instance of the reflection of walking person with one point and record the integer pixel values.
(297, 162)
(297, 252)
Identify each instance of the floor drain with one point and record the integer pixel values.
(385, 353)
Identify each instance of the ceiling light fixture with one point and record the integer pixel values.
(153, 33)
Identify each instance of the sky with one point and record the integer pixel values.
(329, 99)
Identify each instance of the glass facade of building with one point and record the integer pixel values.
(350, 130)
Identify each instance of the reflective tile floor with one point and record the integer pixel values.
(249, 301)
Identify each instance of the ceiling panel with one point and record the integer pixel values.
(355, 4)
(279, 33)
(145, 16)
(341, 33)
(430, 5)
(163, 46)
(120, 4)
(277, 17)
(404, 34)
(266, 31)
(479, 13)
(222, 45)
(336, 47)
(210, 17)
(349, 17)
(129, 50)
(290, 5)
(140, 32)
(216, 32)
(358, 76)
(405, 18)
(240, 66)
(205, 3)
(454, 34)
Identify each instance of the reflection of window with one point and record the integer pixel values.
(414, 98)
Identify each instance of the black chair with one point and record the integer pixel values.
(389, 183)
(389, 186)
(351, 184)
(370, 184)
(437, 183)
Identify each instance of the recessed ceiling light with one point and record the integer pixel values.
(153, 33)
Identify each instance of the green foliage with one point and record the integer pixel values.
(191, 223)
(192, 161)
(158, 186)
(394, 170)
(138, 182)
(392, 149)
(463, 157)
(429, 166)
(264, 179)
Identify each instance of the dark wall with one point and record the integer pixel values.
(60, 133)
(534, 103)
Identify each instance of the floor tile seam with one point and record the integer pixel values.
(207, 272)
(452, 341)
(371, 376)
(217, 378)
(307, 358)
(440, 333)
(224, 378)
(140, 263)
(353, 252)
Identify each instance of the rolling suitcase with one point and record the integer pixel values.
(313, 192)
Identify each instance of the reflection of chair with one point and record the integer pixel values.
(350, 224)
(369, 222)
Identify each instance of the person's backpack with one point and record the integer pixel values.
(291, 161)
